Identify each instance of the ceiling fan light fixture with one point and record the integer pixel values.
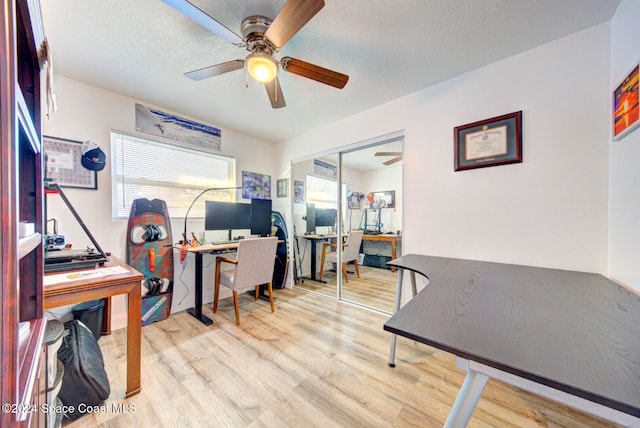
(262, 67)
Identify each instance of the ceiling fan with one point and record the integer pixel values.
(264, 38)
(397, 157)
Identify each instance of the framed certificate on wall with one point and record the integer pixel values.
(490, 142)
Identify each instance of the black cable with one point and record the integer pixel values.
(298, 260)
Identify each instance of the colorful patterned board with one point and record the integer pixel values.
(150, 251)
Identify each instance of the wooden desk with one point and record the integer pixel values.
(569, 336)
(313, 239)
(393, 239)
(198, 251)
(82, 290)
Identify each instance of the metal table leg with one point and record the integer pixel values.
(392, 350)
(467, 398)
(414, 291)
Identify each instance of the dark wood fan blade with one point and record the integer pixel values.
(388, 154)
(291, 18)
(214, 70)
(392, 161)
(198, 15)
(314, 72)
(275, 93)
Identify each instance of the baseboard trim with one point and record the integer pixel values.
(118, 321)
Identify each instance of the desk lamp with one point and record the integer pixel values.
(184, 233)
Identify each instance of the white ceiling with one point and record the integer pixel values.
(389, 48)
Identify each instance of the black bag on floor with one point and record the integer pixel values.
(85, 380)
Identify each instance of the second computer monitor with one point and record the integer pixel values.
(326, 217)
(311, 218)
(261, 217)
(320, 217)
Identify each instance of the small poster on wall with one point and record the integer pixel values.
(256, 186)
(298, 192)
(324, 169)
(353, 200)
(283, 187)
(626, 110)
(156, 122)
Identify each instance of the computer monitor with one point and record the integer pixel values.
(311, 218)
(320, 217)
(226, 216)
(326, 217)
(261, 217)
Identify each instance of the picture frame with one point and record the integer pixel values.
(282, 187)
(625, 113)
(62, 164)
(354, 200)
(489, 142)
(256, 186)
(298, 192)
(386, 199)
(324, 169)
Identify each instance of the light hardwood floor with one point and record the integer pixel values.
(375, 288)
(312, 363)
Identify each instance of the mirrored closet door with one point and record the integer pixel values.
(366, 207)
(315, 216)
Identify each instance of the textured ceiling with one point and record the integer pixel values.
(388, 48)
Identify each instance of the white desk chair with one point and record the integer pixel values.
(350, 250)
(252, 267)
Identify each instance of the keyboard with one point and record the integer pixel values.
(233, 241)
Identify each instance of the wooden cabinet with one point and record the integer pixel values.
(22, 57)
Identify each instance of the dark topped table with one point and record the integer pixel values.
(570, 336)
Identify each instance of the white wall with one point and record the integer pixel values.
(624, 196)
(89, 113)
(382, 180)
(550, 210)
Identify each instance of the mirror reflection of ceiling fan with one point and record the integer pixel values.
(264, 38)
(397, 157)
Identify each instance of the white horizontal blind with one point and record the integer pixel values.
(322, 192)
(143, 168)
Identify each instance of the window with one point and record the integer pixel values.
(322, 192)
(143, 168)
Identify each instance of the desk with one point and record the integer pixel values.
(570, 336)
(81, 290)
(393, 239)
(313, 239)
(198, 251)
